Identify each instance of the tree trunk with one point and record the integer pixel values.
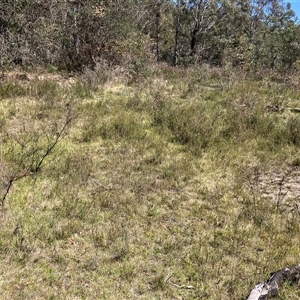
(157, 25)
(194, 38)
(177, 24)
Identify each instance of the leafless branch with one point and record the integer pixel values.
(30, 160)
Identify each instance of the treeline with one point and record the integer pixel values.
(73, 34)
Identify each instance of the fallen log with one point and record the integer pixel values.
(271, 288)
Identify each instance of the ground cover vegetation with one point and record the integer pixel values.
(148, 190)
(148, 149)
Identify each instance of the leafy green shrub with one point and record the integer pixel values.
(186, 123)
(47, 90)
(82, 90)
(191, 125)
(52, 69)
(112, 125)
(123, 125)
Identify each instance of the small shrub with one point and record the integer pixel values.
(191, 126)
(187, 123)
(47, 90)
(124, 125)
(52, 69)
(82, 90)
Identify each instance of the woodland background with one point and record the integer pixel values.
(71, 35)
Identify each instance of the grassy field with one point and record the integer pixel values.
(152, 188)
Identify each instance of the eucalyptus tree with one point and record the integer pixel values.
(204, 19)
(278, 39)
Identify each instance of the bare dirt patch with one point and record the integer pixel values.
(280, 186)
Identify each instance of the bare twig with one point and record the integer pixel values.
(25, 169)
(8, 187)
(182, 286)
(54, 143)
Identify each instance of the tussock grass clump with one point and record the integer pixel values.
(10, 90)
(156, 190)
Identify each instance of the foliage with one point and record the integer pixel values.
(75, 35)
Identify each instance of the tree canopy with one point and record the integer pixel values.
(73, 34)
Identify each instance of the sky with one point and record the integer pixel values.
(295, 7)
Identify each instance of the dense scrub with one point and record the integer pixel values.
(95, 34)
